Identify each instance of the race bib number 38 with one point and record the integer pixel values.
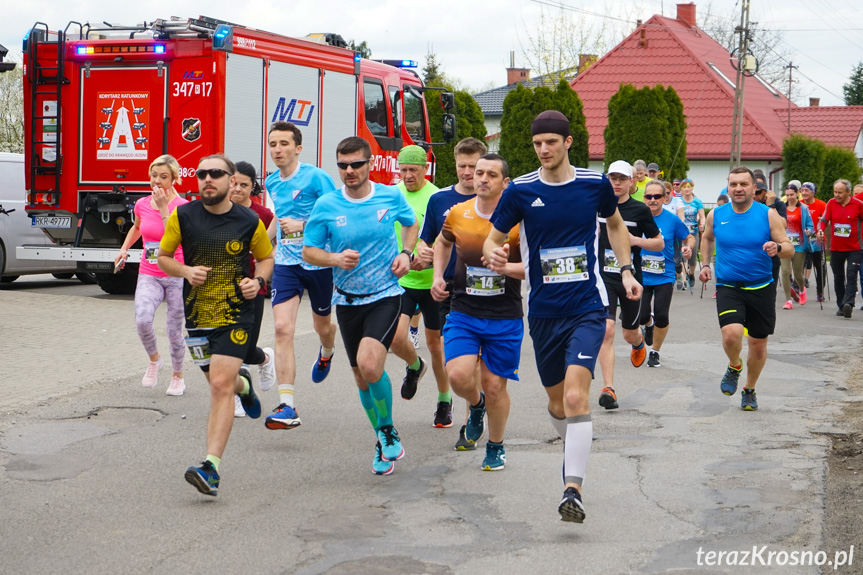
(483, 282)
(564, 264)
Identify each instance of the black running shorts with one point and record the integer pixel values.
(377, 320)
(755, 309)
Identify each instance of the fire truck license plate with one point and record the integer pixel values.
(51, 222)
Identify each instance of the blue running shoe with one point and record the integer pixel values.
(205, 478)
(495, 457)
(321, 369)
(571, 508)
(748, 402)
(729, 380)
(473, 430)
(283, 417)
(391, 445)
(381, 466)
(251, 403)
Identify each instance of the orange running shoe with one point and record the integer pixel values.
(607, 398)
(638, 354)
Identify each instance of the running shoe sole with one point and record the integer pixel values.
(490, 468)
(571, 510)
(463, 444)
(199, 483)
(847, 310)
(607, 401)
(282, 423)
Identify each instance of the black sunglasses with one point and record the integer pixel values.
(354, 165)
(215, 173)
(653, 196)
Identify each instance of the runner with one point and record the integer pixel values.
(245, 186)
(844, 215)
(747, 235)
(566, 305)
(693, 213)
(486, 311)
(155, 286)
(417, 296)
(799, 228)
(643, 233)
(217, 237)
(356, 223)
(294, 189)
(658, 268)
(815, 257)
(467, 152)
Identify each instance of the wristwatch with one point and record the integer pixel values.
(627, 267)
(410, 255)
(263, 282)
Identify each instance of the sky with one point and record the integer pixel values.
(473, 38)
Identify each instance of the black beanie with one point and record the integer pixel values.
(550, 122)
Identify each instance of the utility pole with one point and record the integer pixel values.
(791, 68)
(743, 60)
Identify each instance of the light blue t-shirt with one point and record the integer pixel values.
(339, 222)
(690, 213)
(658, 267)
(294, 198)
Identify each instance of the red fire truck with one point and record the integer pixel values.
(102, 102)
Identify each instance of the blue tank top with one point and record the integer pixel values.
(740, 259)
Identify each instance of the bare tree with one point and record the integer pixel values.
(12, 110)
(767, 45)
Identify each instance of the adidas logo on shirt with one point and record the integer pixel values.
(537, 203)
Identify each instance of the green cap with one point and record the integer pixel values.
(413, 155)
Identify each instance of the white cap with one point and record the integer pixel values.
(620, 167)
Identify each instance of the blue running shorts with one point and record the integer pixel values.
(561, 342)
(498, 339)
(290, 281)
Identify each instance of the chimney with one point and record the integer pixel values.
(686, 14)
(814, 102)
(515, 75)
(585, 61)
(642, 38)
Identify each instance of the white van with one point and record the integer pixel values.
(15, 229)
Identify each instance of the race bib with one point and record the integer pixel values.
(795, 238)
(842, 230)
(151, 252)
(564, 264)
(693, 227)
(294, 239)
(483, 282)
(652, 264)
(199, 347)
(610, 264)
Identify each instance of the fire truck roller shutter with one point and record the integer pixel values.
(244, 110)
(340, 117)
(292, 96)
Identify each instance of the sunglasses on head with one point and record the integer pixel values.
(214, 173)
(354, 165)
(653, 196)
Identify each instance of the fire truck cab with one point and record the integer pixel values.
(102, 103)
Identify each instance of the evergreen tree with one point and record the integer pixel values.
(679, 164)
(839, 163)
(362, 48)
(803, 158)
(853, 90)
(567, 101)
(431, 71)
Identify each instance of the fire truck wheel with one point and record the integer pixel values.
(122, 283)
(88, 278)
(63, 276)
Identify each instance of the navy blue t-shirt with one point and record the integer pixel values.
(436, 213)
(559, 239)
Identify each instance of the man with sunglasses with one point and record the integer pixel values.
(352, 231)
(643, 233)
(217, 236)
(294, 188)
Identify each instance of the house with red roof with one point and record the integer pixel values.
(675, 52)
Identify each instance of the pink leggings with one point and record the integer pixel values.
(149, 293)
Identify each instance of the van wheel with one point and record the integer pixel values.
(5, 279)
(88, 278)
(63, 276)
(122, 283)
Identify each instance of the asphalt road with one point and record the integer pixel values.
(91, 462)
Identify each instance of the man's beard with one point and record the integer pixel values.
(215, 199)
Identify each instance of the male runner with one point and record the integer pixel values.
(467, 152)
(815, 257)
(352, 231)
(844, 214)
(294, 189)
(658, 270)
(417, 285)
(217, 236)
(747, 235)
(486, 312)
(641, 180)
(643, 233)
(567, 300)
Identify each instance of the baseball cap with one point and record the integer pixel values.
(760, 187)
(796, 183)
(652, 167)
(412, 155)
(620, 167)
(676, 181)
(791, 186)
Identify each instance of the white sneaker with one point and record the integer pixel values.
(152, 376)
(177, 386)
(238, 407)
(415, 339)
(267, 371)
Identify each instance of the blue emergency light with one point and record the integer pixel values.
(223, 38)
(409, 64)
(160, 49)
(81, 50)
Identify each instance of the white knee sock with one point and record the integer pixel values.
(576, 448)
(559, 425)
